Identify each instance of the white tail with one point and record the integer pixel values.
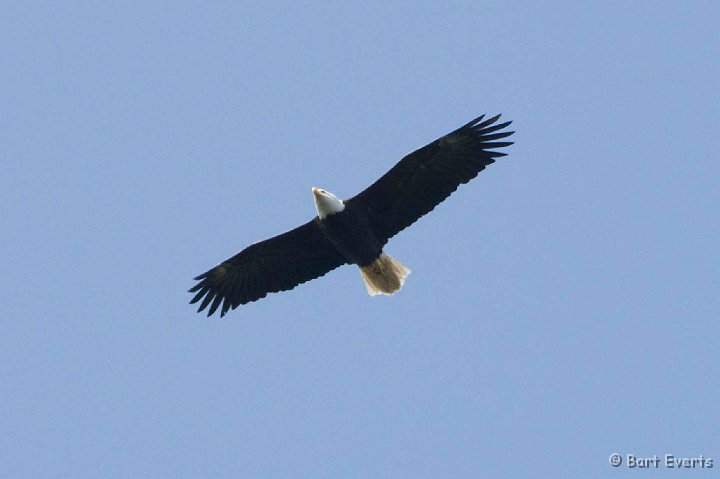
(385, 275)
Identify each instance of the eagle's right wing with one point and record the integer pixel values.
(276, 264)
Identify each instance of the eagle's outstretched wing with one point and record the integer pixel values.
(425, 177)
(276, 264)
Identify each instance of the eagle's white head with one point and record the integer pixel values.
(326, 203)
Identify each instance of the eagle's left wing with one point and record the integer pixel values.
(425, 177)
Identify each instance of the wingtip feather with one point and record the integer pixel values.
(489, 121)
(198, 295)
(475, 121)
(497, 144)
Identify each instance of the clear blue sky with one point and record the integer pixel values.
(563, 306)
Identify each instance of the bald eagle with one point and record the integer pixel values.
(354, 231)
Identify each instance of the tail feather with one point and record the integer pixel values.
(385, 275)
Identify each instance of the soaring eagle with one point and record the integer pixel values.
(356, 230)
